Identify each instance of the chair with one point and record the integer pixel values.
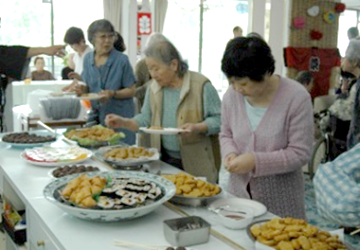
(321, 148)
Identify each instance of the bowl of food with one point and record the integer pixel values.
(95, 136)
(109, 196)
(238, 218)
(127, 157)
(187, 231)
(192, 191)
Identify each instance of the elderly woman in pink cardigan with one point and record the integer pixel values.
(267, 129)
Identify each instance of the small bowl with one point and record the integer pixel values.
(236, 219)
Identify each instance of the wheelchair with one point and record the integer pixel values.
(331, 143)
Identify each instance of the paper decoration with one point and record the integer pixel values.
(299, 22)
(144, 23)
(340, 7)
(313, 11)
(315, 35)
(329, 17)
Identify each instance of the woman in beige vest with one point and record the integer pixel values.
(177, 97)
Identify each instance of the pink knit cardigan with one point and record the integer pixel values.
(282, 144)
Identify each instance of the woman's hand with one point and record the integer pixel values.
(241, 164)
(114, 121)
(229, 159)
(71, 87)
(80, 89)
(73, 75)
(193, 129)
(106, 95)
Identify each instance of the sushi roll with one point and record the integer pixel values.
(105, 202)
(154, 195)
(123, 193)
(128, 201)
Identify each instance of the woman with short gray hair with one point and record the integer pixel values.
(350, 66)
(108, 72)
(182, 99)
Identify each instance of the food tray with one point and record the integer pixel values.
(127, 164)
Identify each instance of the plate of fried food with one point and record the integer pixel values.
(95, 136)
(192, 191)
(162, 131)
(291, 234)
(127, 156)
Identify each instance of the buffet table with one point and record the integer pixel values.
(49, 227)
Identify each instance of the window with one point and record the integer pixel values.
(202, 43)
(28, 23)
(348, 19)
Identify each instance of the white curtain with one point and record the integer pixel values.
(112, 12)
(159, 8)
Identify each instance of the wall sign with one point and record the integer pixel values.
(144, 23)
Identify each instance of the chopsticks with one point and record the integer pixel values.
(355, 232)
(54, 132)
(122, 243)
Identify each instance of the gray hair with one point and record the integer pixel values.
(155, 38)
(353, 52)
(165, 52)
(101, 25)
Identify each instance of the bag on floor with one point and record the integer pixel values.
(337, 189)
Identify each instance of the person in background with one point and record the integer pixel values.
(40, 74)
(266, 129)
(119, 43)
(75, 38)
(306, 79)
(179, 98)
(142, 74)
(350, 67)
(70, 66)
(108, 72)
(238, 32)
(14, 62)
(353, 33)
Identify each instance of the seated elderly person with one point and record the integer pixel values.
(40, 74)
(177, 97)
(108, 72)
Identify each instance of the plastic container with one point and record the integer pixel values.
(187, 231)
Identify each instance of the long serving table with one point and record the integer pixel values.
(49, 227)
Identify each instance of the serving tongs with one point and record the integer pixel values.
(68, 141)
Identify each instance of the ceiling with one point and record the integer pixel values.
(352, 4)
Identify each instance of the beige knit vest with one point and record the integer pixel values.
(200, 154)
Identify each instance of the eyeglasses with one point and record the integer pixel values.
(103, 37)
(347, 75)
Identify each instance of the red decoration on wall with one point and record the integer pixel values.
(315, 35)
(299, 22)
(144, 23)
(340, 7)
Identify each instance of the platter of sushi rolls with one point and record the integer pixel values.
(109, 196)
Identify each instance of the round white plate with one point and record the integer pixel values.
(29, 145)
(257, 207)
(164, 131)
(92, 97)
(129, 161)
(59, 163)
